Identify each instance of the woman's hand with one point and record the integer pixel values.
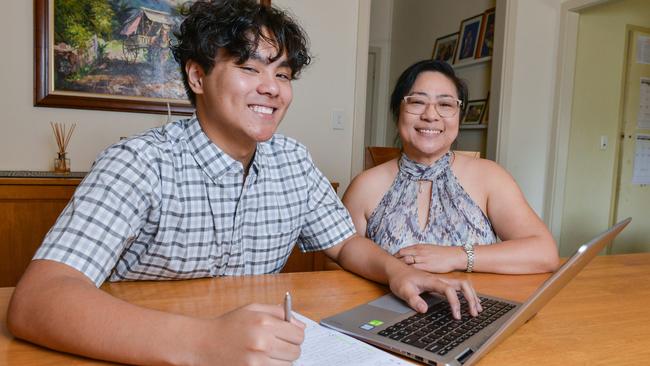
(433, 258)
(408, 284)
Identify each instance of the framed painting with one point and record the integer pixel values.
(469, 33)
(475, 109)
(108, 55)
(486, 40)
(445, 47)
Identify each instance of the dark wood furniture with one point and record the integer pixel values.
(30, 206)
(376, 155)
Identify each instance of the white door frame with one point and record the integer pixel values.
(359, 117)
(378, 129)
(563, 104)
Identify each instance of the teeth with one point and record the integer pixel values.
(261, 109)
(428, 131)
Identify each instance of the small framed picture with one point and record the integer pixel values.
(486, 112)
(475, 109)
(470, 30)
(445, 48)
(486, 40)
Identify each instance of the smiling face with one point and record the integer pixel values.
(239, 105)
(427, 137)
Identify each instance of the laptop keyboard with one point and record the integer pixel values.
(437, 331)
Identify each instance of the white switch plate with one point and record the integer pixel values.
(603, 142)
(338, 121)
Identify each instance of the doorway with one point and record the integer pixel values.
(589, 119)
(632, 197)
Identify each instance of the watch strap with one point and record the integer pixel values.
(469, 250)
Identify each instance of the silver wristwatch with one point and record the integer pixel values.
(469, 250)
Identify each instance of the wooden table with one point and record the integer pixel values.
(602, 317)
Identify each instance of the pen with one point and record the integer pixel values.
(287, 307)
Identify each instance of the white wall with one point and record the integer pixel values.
(528, 95)
(327, 84)
(26, 141)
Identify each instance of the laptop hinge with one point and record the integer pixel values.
(464, 356)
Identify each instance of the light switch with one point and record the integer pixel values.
(338, 122)
(603, 142)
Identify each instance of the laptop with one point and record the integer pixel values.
(435, 338)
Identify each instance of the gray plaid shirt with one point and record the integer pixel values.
(169, 204)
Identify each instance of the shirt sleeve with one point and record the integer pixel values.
(327, 222)
(106, 212)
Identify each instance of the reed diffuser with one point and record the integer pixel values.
(62, 136)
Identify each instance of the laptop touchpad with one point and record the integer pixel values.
(392, 303)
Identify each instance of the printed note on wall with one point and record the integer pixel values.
(643, 118)
(641, 174)
(643, 50)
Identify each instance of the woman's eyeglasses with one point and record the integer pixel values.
(446, 107)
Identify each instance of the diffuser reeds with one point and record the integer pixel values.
(62, 136)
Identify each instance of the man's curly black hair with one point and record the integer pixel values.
(234, 28)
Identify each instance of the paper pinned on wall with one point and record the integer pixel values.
(641, 174)
(324, 346)
(643, 118)
(643, 50)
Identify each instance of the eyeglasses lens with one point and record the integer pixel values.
(446, 107)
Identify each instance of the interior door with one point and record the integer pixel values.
(633, 199)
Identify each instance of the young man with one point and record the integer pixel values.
(217, 194)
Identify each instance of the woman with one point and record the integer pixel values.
(440, 211)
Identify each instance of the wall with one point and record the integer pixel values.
(415, 27)
(527, 94)
(596, 112)
(26, 141)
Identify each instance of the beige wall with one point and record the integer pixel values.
(596, 112)
(26, 141)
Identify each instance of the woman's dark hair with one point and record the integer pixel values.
(236, 27)
(407, 79)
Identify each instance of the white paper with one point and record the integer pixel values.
(643, 50)
(327, 347)
(641, 174)
(643, 118)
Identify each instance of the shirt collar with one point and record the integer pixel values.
(214, 161)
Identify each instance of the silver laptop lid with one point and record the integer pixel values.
(550, 288)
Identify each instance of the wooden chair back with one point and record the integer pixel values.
(473, 154)
(376, 155)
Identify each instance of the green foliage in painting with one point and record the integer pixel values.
(76, 21)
